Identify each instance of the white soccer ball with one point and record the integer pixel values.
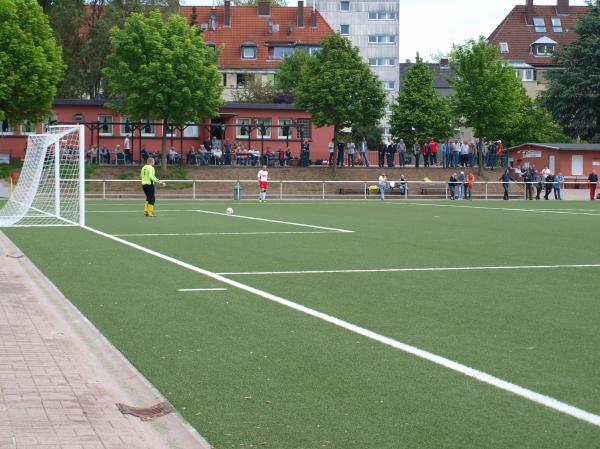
(229, 211)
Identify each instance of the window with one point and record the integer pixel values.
(382, 39)
(225, 79)
(344, 30)
(170, 131)
(524, 74)
(248, 51)
(242, 80)
(376, 15)
(557, 25)
(382, 61)
(388, 85)
(191, 130)
(285, 129)
(242, 128)
(148, 128)
(344, 6)
(539, 24)
(6, 128)
(27, 127)
(544, 50)
(304, 128)
(266, 123)
(106, 125)
(281, 52)
(125, 128)
(503, 47)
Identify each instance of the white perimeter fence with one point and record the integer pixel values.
(324, 190)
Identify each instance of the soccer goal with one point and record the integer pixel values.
(50, 188)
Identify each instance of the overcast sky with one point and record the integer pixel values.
(430, 27)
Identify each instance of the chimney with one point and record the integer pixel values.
(300, 22)
(562, 7)
(313, 19)
(227, 13)
(529, 12)
(264, 8)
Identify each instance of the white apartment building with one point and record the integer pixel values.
(374, 27)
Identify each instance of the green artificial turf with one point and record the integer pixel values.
(247, 372)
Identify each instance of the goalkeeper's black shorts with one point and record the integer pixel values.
(149, 191)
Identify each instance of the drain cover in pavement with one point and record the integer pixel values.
(147, 413)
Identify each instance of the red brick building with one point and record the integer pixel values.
(529, 36)
(570, 159)
(252, 40)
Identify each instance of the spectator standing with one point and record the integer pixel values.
(340, 156)
(351, 149)
(363, 152)
(127, 150)
(469, 185)
(539, 185)
(446, 154)
(491, 155)
(461, 185)
(227, 152)
(331, 148)
(433, 148)
(426, 154)
(548, 183)
(593, 182)
(559, 179)
(417, 152)
(382, 182)
(391, 153)
(381, 150)
(93, 154)
(528, 175)
(455, 153)
(402, 153)
(452, 185)
(464, 155)
(505, 178)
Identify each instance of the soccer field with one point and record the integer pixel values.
(349, 324)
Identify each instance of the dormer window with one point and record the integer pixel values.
(544, 46)
(539, 24)
(248, 50)
(503, 47)
(557, 25)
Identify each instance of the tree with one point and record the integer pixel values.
(488, 96)
(419, 112)
(162, 69)
(287, 71)
(573, 95)
(255, 2)
(30, 61)
(255, 91)
(372, 133)
(338, 88)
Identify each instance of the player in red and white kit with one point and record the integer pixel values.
(263, 183)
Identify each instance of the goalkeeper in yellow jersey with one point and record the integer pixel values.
(148, 179)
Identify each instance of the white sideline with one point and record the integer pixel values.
(402, 270)
(274, 221)
(224, 233)
(544, 400)
(506, 209)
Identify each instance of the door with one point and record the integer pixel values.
(552, 163)
(577, 165)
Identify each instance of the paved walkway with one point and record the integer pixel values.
(60, 379)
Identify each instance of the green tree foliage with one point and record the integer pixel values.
(254, 2)
(488, 96)
(419, 112)
(162, 69)
(573, 95)
(255, 91)
(287, 71)
(374, 134)
(30, 61)
(338, 88)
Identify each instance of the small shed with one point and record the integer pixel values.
(570, 159)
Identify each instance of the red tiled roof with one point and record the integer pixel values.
(519, 35)
(248, 26)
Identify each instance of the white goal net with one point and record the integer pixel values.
(50, 187)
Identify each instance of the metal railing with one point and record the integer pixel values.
(323, 190)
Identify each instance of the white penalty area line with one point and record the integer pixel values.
(202, 290)
(275, 221)
(481, 376)
(403, 270)
(503, 209)
(223, 233)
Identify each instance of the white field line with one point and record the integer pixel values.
(503, 209)
(276, 221)
(202, 290)
(403, 270)
(541, 399)
(224, 233)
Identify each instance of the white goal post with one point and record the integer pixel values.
(51, 187)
